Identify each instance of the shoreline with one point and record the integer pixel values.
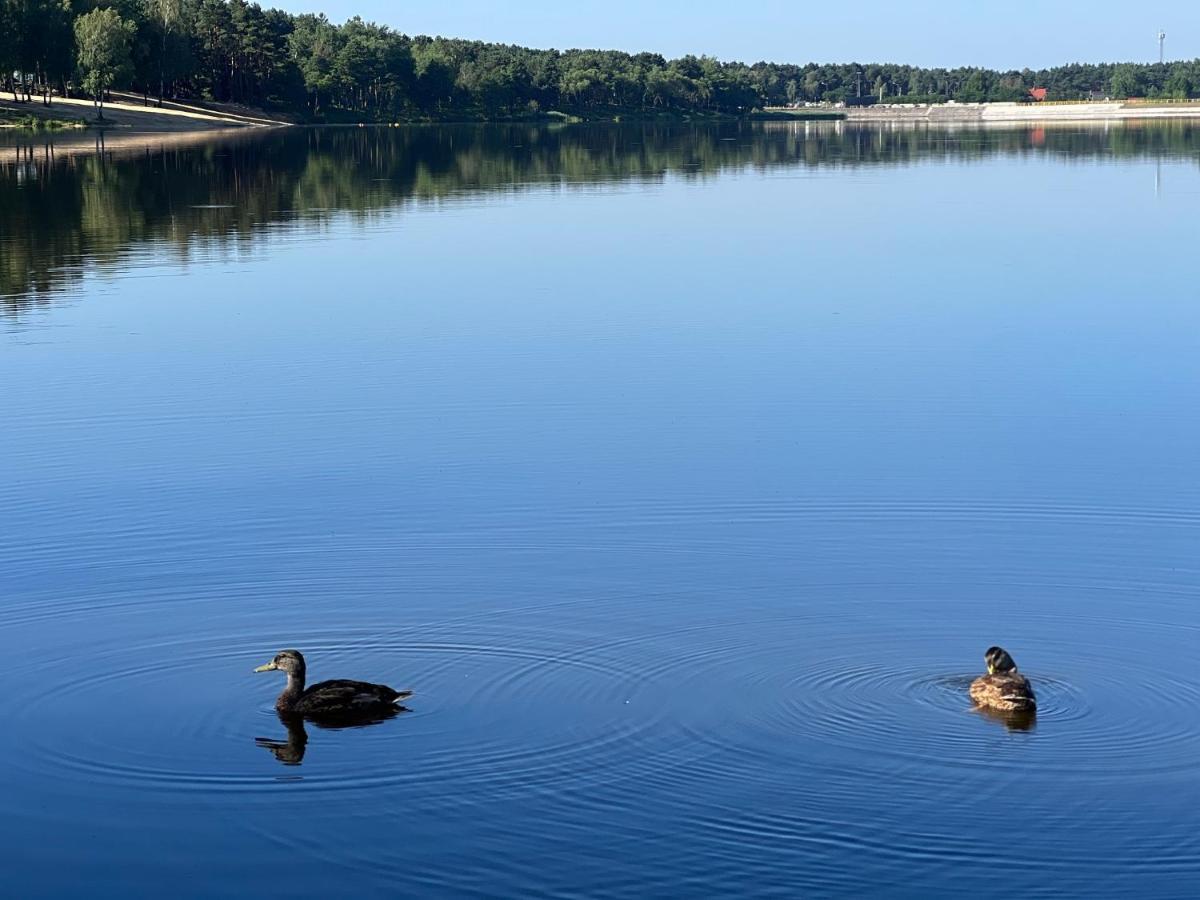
(1022, 113)
(127, 113)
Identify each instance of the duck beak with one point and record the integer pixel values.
(269, 667)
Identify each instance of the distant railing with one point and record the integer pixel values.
(1160, 100)
(894, 102)
(1148, 101)
(1072, 102)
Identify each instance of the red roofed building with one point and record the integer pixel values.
(1038, 94)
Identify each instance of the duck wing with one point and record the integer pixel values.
(341, 696)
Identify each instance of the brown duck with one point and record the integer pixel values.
(1003, 688)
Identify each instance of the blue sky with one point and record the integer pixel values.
(1008, 34)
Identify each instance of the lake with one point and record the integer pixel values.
(684, 472)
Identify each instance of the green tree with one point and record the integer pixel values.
(168, 17)
(37, 35)
(1124, 82)
(974, 89)
(103, 38)
(1178, 85)
(315, 44)
(8, 29)
(812, 85)
(665, 88)
(216, 46)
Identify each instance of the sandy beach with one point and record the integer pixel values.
(129, 113)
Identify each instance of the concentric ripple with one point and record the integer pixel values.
(487, 711)
(763, 734)
(871, 692)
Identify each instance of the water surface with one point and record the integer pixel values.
(685, 473)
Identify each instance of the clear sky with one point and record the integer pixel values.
(995, 33)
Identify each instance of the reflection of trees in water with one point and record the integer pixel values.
(64, 214)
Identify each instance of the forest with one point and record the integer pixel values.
(237, 51)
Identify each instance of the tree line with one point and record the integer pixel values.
(237, 51)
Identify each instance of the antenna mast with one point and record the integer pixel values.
(1162, 37)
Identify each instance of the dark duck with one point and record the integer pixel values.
(335, 699)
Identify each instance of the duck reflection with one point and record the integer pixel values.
(1013, 720)
(290, 751)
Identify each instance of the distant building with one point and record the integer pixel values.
(1037, 94)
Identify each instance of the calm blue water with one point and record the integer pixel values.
(684, 473)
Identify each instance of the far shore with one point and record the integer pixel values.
(997, 113)
(129, 113)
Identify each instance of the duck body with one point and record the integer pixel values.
(339, 698)
(1007, 692)
(1003, 688)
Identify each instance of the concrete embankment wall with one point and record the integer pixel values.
(983, 113)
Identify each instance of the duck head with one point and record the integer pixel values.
(289, 661)
(998, 661)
